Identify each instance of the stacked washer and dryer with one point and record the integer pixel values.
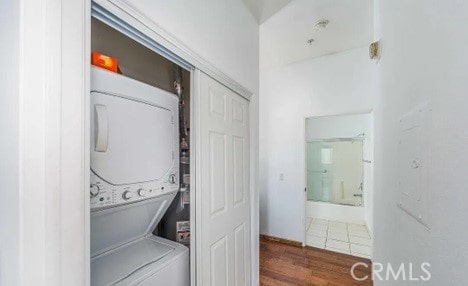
(134, 178)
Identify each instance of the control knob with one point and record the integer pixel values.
(94, 190)
(127, 195)
(142, 192)
(172, 179)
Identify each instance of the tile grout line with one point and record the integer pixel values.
(328, 239)
(348, 235)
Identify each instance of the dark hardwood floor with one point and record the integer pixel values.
(283, 264)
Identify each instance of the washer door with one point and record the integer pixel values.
(131, 141)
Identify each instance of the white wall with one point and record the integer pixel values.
(336, 84)
(424, 58)
(343, 127)
(223, 32)
(9, 143)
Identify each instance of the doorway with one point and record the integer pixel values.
(154, 142)
(339, 183)
(222, 146)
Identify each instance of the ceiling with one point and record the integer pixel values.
(264, 9)
(283, 38)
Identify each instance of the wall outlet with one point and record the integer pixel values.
(281, 177)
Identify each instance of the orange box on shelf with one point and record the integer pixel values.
(104, 61)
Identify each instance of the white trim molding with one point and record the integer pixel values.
(53, 164)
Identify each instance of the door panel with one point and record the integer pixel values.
(219, 265)
(239, 170)
(217, 172)
(223, 173)
(217, 104)
(239, 252)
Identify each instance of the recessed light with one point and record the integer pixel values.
(321, 24)
(310, 41)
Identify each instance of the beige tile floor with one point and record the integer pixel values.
(348, 238)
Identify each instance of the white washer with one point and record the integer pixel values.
(134, 178)
(124, 252)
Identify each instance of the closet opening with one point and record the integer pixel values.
(140, 178)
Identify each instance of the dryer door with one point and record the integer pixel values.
(131, 141)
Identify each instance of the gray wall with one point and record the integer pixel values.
(135, 60)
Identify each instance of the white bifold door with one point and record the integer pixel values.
(223, 201)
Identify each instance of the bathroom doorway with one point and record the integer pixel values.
(339, 183)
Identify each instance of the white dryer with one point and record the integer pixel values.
(134, 178)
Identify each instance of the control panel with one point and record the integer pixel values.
(105, 195)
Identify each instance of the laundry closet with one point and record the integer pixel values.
(140, 164)
(169, 166)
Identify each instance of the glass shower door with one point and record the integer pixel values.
(318, 174)
(335, 171)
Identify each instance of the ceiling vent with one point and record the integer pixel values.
(320, 25)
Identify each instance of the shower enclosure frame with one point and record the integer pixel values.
(340, 139)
